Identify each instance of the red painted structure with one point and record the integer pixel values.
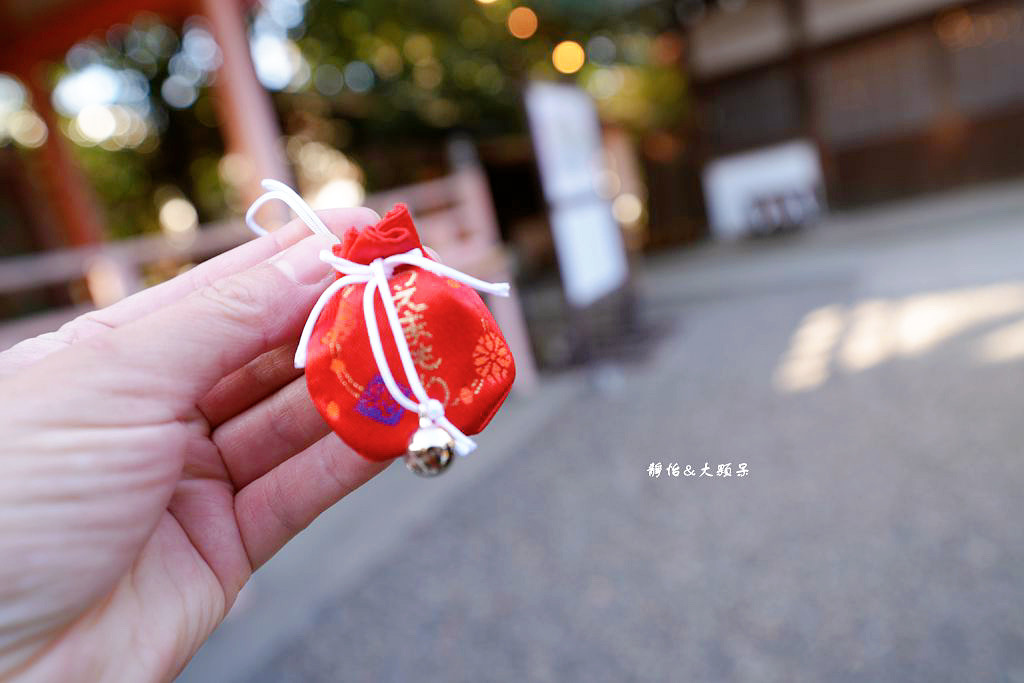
(41, 32)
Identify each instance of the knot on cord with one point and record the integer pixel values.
(431, 410)
(381, 266)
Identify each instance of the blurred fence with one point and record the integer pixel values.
(454, 215)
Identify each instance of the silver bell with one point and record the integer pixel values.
(431, 451)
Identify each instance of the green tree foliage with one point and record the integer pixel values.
(385, 81)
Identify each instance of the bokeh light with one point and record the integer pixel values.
(179, 221)
(603, 83)
(522, 22)
(96, 122)
(279, 63)
(26, 128)
(277, 60)
(387, 61)
(18, 121)
(568, 56)
(627, 208)
(339, 192)
(601, 49)
(418, 47)
(427, 74)
(178, 92)
(359, 76)
(328, 80)
(96, 84)
(328, 177)
(12, 94)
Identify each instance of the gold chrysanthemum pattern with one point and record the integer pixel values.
(491, 357)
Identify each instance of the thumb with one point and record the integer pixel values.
(177, 354)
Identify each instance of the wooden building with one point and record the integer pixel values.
(901, 97)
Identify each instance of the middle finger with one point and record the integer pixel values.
(255, 441)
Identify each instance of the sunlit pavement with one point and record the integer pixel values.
(868, 374)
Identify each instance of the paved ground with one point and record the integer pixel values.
(870, 377)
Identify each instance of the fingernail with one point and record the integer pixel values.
(301, 262)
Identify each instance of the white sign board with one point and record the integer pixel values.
(590, 251)
(777, 184)
(567, 142)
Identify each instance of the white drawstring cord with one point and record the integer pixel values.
(278, 190)
(375, 276)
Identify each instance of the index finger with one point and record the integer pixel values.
(230, 262)
(148, 300)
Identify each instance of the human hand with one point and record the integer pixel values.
(154, 453)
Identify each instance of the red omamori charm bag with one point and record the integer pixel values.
(460, 355)
(421, 316)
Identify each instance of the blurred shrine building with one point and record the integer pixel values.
(37, 35)
(900, 97)
(47, 203)
(57, 255)
(893, 98)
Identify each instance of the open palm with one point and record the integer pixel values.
(152, 454)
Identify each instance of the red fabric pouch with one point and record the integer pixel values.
(460, 355)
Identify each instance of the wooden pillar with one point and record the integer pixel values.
(67, 188)
(801, 60)
(244, 107)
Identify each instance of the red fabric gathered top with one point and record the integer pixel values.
(394, 234)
